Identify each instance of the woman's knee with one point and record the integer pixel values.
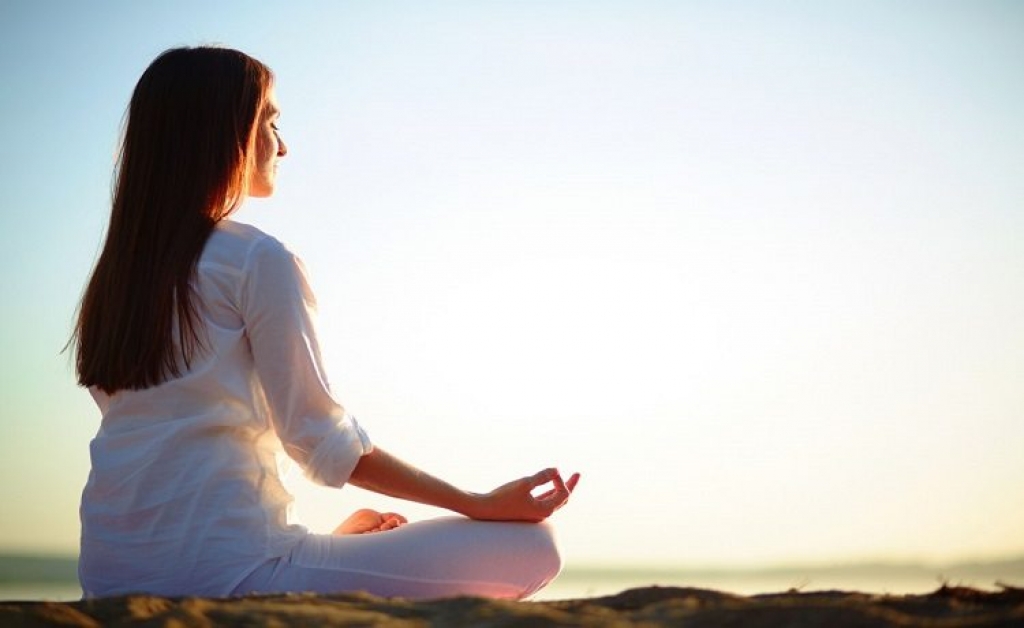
(547, 552)
(536, 559)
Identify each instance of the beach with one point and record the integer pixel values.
(647, 606)
(43, 591)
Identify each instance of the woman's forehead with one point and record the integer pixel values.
(270, 108)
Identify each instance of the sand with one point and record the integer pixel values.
(649, 606)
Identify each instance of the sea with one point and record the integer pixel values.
(25, 577)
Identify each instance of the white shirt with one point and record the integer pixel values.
(184, 496)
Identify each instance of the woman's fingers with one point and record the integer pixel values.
(394, 516)
(541, 477)
(569, 484)
(390, 521)
(557, 497)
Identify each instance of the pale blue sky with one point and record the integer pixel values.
(755, 269)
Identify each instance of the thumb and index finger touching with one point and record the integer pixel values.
(556, 497)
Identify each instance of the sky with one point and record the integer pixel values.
(753, 268)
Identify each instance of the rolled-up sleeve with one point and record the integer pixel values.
(279, 311)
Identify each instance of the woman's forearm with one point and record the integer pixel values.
(381, 472)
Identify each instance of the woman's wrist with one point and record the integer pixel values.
(469, 504)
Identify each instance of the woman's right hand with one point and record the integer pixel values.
(515, 500)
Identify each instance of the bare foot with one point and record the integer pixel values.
(366, 520)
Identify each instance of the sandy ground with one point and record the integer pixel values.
(649, 606)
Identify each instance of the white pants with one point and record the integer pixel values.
(428, 559)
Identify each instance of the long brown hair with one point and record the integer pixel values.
(187, 150)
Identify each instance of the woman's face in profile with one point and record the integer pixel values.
(269, 149)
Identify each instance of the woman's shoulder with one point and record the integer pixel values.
(232, 232)
(233, 244)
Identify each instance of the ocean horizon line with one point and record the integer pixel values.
(32, 567)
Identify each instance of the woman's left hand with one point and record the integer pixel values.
(515, 500)
(383, 473)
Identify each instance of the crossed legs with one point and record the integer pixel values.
(439, 557)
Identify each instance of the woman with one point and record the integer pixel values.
(196, 338)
